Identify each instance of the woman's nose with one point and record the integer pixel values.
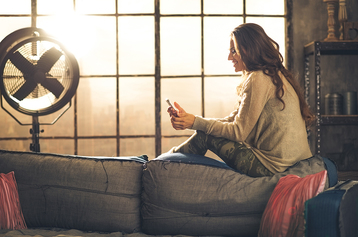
(230, 57)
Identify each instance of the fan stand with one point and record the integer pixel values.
(14, 53)
(35, 131)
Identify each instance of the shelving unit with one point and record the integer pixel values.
(339, 120)
(315, 50)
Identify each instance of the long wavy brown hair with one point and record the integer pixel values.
(259, 52)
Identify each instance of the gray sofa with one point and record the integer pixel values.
(171, 195)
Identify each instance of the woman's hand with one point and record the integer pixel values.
(172, 111)
(180, 119)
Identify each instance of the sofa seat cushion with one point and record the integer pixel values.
(196, 195)
(77, 192)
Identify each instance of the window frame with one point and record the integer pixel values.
(158, 77)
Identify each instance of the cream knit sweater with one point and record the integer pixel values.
(277, 137)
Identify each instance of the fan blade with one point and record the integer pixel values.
(22, 63)
(48, 59)
(25, 89)
(53, 85)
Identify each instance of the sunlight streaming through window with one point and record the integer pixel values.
(136, 41)
(180, 6)
(15, 7)
(131, 57)
(95, 6)
(66, 29)
(217, 32)
(135, 6)
(225, 7)
(137, 106)
(272, 7)
(180, 46)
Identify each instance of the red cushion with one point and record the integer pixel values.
(284, 213)
(10, 210)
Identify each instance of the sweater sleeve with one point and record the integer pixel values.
(257, 90)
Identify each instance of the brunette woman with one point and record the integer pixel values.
(266, 134)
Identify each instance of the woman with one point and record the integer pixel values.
(266, 134)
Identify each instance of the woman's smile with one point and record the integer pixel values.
(235, 57)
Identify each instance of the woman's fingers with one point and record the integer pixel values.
(183, 122)
(175, 124)
(172, 112)
(180, 109)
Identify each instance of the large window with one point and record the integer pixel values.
(132, 55)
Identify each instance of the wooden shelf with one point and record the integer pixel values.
(344, 175)
(340, 47)
(339, 119)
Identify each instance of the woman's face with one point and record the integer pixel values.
(235, 57)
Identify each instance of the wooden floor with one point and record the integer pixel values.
(344, 175)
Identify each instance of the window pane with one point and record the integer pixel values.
(223, 7)
(180, 46)
(168, 143)
(136, 45)
(97, 147)
(59, 146)
(137, 147)
(274, 27)
(217, 32)
(180, 6)
(186, 92)
(220, 96)
(95, 6)
(136, 106)
(11, 24)
(9, 127)
(53, 6)
(15, 145)
(96, 106)
(272, 7)
(135, 6)
(99, 54)
(92, 39)
(64, 126)
(15, 7)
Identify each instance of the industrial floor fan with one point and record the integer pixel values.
(38, 76)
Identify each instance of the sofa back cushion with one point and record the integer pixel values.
(76, 192)
(195, 195)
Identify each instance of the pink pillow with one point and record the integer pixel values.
(10, 210)
(283, 215)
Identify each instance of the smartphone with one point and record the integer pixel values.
(169, 103)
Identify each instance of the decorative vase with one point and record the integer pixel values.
(342, 17)
(331, 22)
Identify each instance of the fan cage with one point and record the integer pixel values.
(40, 101)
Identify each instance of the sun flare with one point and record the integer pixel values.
(71, 30)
